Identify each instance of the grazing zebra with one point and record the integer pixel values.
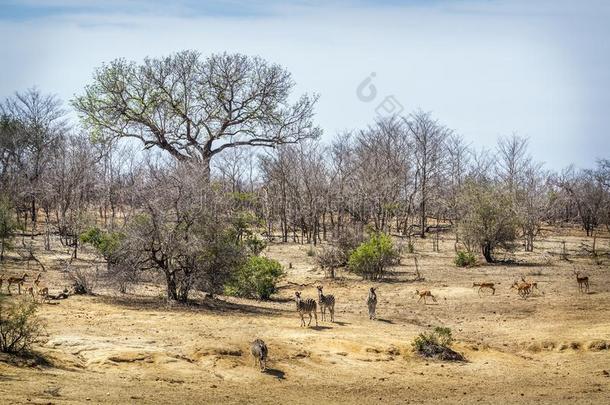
(326, 301)
(307, 306)
(371, 302)
(259, 351)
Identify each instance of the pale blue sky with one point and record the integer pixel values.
(485, 68)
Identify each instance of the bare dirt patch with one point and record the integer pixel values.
(552, 347)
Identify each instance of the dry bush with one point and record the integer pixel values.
(19, 326)
(331, 258)
(83, 281)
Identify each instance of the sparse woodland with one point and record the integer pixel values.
(182, 161)
(200, 180)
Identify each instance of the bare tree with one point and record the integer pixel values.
(38, 123)
(428, 138)
(194, 108)
(513, 160)
(586, 191)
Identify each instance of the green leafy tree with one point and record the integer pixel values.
(257, 278)
(372, 257)
(106, 243)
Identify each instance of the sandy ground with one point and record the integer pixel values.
(551, 348)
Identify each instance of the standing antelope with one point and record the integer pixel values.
(371, 303)
(16, 280)
(326, 301)
(583, 282)
(524, 289)
(532, 284)
(307, 306)
(34, 286)
(43, 291)
(485, 285)
(423, 294)
(259, 351)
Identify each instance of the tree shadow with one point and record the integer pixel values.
(281, 300)
(515, 263)
(26, 359)
(210, 305)
(279, 374)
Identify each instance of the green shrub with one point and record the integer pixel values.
(444, 335)
(372, 257)
(255, 245)
(423, 340)
(257, 278)
(104, 242)
(19, 326)
(436, 344)
(311, 252)
(465, 259)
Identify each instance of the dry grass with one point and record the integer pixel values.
(552, 347)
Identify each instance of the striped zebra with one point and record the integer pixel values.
(326, 301)
(307, 306)
(371, 302)
(259, 351)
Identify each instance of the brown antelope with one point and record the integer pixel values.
(583, 282)
(16, 280)
(485, 285)
(532, 284)
(34, 286)
(423, 294)
(523, 289)
(41, 290)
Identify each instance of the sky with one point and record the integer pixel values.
(485, 68)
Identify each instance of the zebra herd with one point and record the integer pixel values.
(309, 306)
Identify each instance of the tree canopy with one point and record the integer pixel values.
(195, 107)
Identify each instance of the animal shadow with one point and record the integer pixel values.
(342, 323)
(320, 327)
(386, 321)
(279, 374)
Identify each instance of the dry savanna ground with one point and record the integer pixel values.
(133, 348)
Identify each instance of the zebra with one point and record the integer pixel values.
(259, 351)
(371, 302)
(326, 301)
(307, 306)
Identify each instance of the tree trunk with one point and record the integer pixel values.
(172, 293)
(487, 253)
(34, 216)
(423, 219)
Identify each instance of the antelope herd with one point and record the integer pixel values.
(34, 290)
